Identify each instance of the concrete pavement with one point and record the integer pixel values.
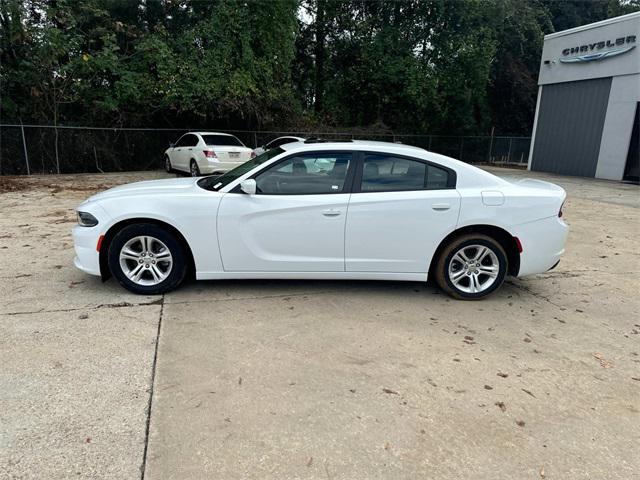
(265, 379)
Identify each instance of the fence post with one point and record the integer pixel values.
(461, 147)
(24, 146)
(509, 153)
(430, 138)
(491, 145)
(255, 140)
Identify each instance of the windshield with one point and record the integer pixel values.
(216, 183)
(222, 140)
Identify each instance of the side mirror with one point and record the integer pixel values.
(172, 145)
(248, 186)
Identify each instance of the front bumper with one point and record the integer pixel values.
(85, 241)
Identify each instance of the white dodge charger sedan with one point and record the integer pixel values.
(200, 153)
(326, 210)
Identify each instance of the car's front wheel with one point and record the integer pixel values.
(471, 267)
(147, 259)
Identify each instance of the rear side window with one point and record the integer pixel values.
(385, 173)
(222, 140)
(188, 140)
(307, 174)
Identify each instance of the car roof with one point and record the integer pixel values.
(213, 133)
(349, 145)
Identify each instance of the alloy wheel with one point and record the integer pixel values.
(473, 268)
(145, 260)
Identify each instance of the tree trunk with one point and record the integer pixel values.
(321, 32)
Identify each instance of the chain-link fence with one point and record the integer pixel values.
(35, 149)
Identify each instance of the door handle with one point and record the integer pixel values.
(441, 206)
(191, 149)
(331, 213)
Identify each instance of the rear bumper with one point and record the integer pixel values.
(215, 167)
(543, 244)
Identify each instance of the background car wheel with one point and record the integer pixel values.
(194, 169)
(167, 164)
(146, 259)
(471, 267)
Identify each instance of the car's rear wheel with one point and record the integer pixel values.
(194, 169)
(147, 259)
(167, 164)
(471, 267)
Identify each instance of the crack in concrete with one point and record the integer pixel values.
(143, 466)
(96, 307)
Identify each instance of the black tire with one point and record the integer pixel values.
(167, 164)
(175, 275)
(194, 170)
(446, 257)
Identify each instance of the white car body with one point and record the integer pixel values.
(193, 147)
(389, 235)
(277, 142)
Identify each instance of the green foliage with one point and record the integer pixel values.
(434, 66)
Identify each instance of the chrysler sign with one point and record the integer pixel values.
(596, 51)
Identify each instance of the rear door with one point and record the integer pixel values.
(400, 210)
(183, 153)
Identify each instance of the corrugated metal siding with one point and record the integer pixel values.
(569, 131)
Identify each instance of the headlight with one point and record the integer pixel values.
(87, 220)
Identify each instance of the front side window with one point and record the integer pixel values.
(308, 174)
(385, 173)
(215, 183)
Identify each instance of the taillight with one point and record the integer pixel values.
(560, 212)
(253, 154)
(210, 154)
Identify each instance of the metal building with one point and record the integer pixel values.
(588, 108)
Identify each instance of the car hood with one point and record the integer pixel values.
(149, 187)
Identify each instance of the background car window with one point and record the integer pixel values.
(306, 175)
(273, 143)
(383, 173)
(222, 140)
(181, 141)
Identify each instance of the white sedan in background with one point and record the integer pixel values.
(334, 210)
(276, 142)
(199, 153)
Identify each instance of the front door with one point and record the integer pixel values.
(399, 212)
(295, 222)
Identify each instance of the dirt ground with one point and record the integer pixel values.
(310, 379)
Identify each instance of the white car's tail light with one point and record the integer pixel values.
(210, 154)
(253, 154)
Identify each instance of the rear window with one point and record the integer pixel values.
(222, 140)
